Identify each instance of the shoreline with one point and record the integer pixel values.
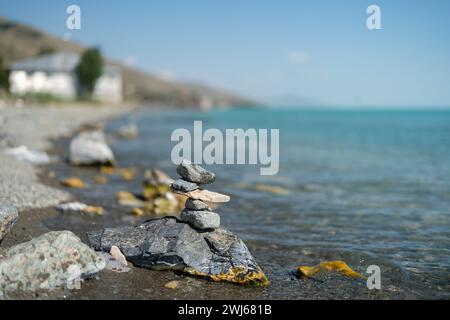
(278, 261)
(36, 215)
(37, 128)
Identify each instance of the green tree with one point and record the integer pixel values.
(4, 76)
(89, 70)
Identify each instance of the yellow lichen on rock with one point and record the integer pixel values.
(238, 275)
(73, 182)
(337, 265)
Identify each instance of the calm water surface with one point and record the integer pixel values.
(368, 187)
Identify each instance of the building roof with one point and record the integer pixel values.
(55, 62)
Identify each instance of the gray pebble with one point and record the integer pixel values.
(183, 185)
(195, 173)
(194, 204)
(201, 219)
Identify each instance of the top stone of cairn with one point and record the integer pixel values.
(194, 173)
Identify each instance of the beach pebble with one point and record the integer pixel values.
(73, 182)
(172, 284)
(201, 219)
(206, 195)
(117, 254)
(128, 199)
(90, 148)
(22, 153)
(193, 204)
(80, 207)
(112, 264)
(194, 173)
(183, 185)
(56, 258)
(8, 217)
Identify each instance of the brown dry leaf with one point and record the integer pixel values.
(73, 182)
(337, 265)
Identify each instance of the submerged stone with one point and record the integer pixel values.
(73, 182)
(170, 244)
(201, 219)
(194, 173)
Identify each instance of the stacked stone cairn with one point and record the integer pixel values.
(197, 211)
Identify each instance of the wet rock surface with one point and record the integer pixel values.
(8, 216)
(53, 259)
(170, 244)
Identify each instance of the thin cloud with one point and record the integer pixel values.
(298, 57)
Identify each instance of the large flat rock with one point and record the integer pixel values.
(170, 244)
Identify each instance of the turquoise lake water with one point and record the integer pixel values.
(367, 187)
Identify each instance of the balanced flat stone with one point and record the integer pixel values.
(183, 185)
(194, 173)
(193, 204)
(8, 216)
(170, 244)
(201, 219)
(205, 195)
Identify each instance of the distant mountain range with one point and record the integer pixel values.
(19, 41)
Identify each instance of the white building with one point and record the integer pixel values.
(55, 74)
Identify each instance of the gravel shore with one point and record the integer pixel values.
(35, 127)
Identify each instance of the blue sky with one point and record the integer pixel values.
(284, 52)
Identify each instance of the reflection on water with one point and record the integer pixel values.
(364, 187)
